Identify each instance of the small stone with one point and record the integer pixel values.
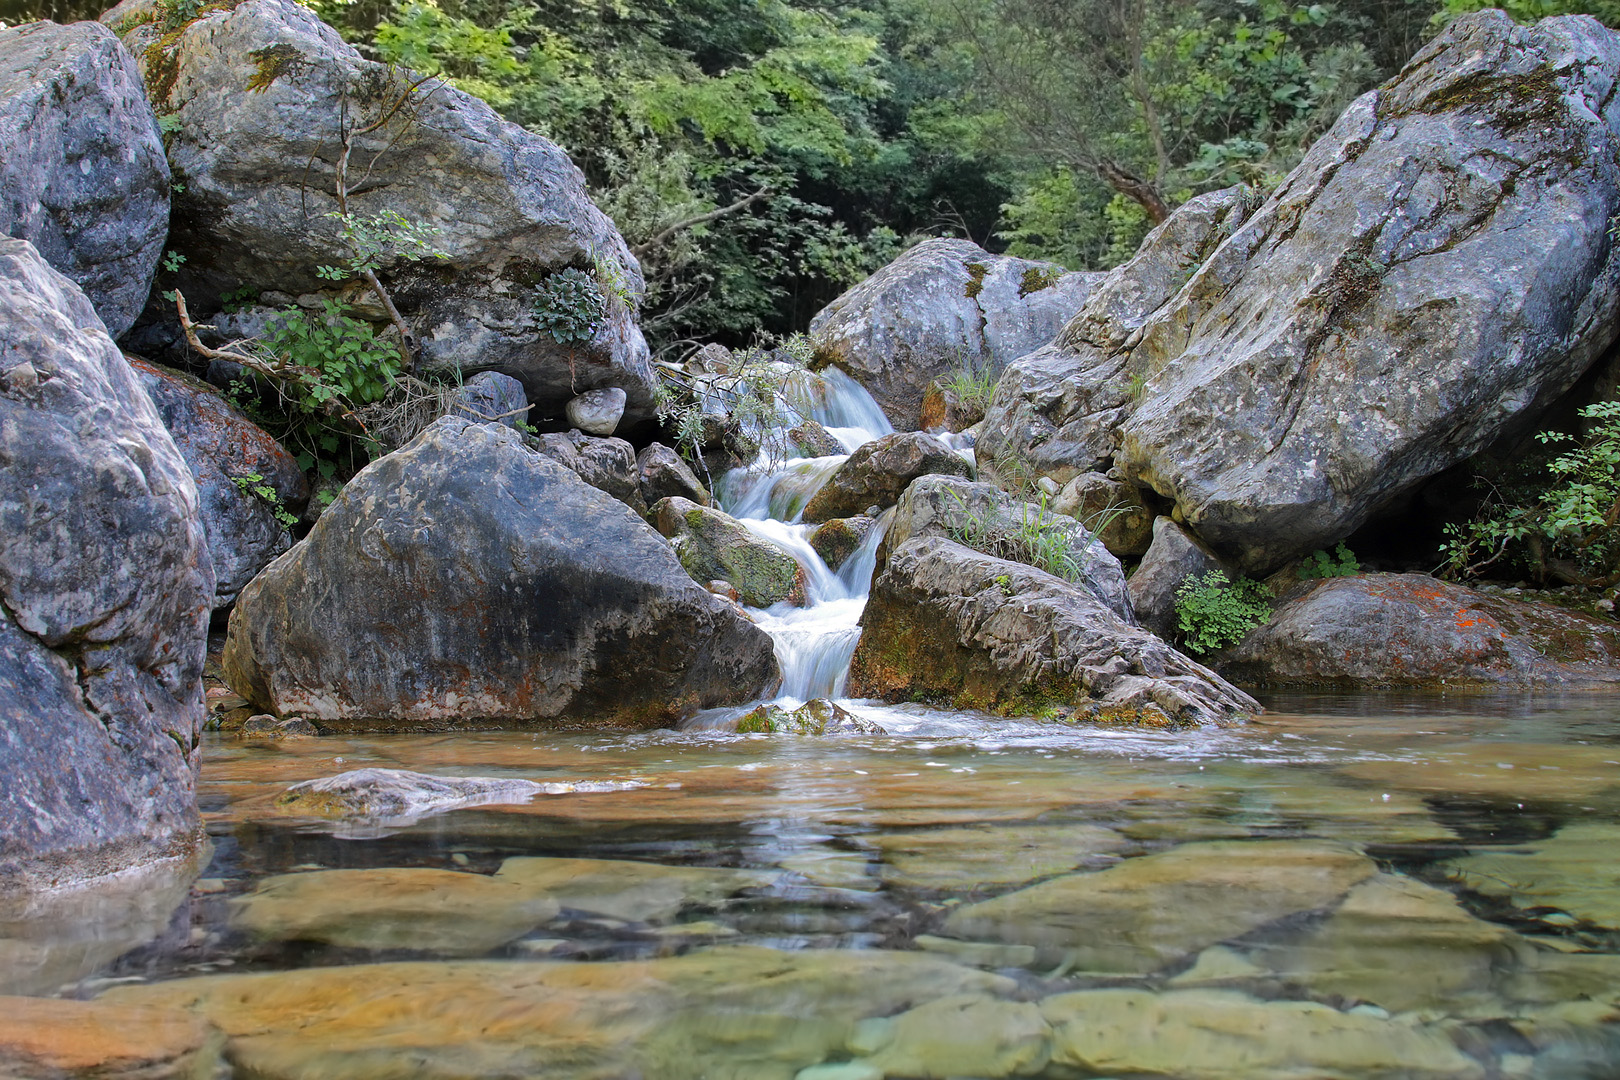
(847, 1070)
(597, 412)
(1048, 486)
(459, 858)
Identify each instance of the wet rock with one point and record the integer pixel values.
(105, 590)
(977, 855)
(1174, 556)
(1156, 910)
(958, 1036)
(1509, 771)
(712, 544)
(606, 464)
(1111, 509)
(597, 412)
(1222, 1035)
(982, 516)
(810, 439)
(492, 398)
(878, 472)
(446, 912)
(941, 305)
(231, 458)
(729, 1010)
(399, 793)
(662, 474)
(947, 623)
(84, 177)
(1412, 630)
(979, 954)
(257, 93)
(1573, 871)
(632, 891)
(817, 716)
(465, 580)
(265, 726)
(836, 540)
(44, 1038)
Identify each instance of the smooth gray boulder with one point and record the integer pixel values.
(942, 305)
(1379, 630)
(257, 92)
(597, 412)
(714, 546)
(492, 398)
(988, 519)
(661, 474)
(606, 464)
(243, 476)
(83, 178)
(879, 471)
(105, 591)
(467, 581)
(1174, 556)
(947, 623)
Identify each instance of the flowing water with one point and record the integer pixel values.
(1348, 886)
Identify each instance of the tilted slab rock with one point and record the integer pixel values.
(106, 588)
(947, 622)
(84, 177)
(466, 581)
(879, 471)
(1412, 630)
(606, 464)
(220, 446)
(942, 305)
(258, 92)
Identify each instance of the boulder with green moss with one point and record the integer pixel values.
(714, 546)
(836, 540)
(815, 717)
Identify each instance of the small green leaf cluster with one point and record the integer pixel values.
(254, 484)
(1212, 611)
(375, 241)
(570, 306)
(1319, 564)
(348, 364)
(973, 383)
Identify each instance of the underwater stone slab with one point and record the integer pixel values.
(48, 1038)
(976, 855)
(1575, 871)
(633, 891)
(965, 1035)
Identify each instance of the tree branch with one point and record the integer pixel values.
(641, 251)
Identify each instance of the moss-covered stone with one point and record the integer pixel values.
(714, 546)
(836, 540)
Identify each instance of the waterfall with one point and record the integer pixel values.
(813, 643)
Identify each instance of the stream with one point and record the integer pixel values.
(1347, 886)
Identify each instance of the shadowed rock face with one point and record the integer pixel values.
(878, 472)
(83, 178)
(1435, 272)
(105, 588)
(1411, 630)
(942, 305)
(467, 581)
(258, 91)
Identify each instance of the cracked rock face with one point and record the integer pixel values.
(1435, 272)
(943, 304)
(258, 91)
(467, 581)
(83, 178)
(105, 590)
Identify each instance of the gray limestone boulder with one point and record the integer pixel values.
(714, 546)
(942, 305)
(257, 92)
(244, 477)
(1110, 508)
(661, 473)
(1404, 630)
(491, 398)
(879, 471)
(466, 581)
(105, 591)
(1174, 556)
(948, 623)
(990, 520)
(606, 464)
(83, 178)
(597, 412)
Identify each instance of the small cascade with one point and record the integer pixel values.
(813, 643)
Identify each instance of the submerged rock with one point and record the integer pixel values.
(974, 856)
(1412, 630)
(632, 891)
(714, 546)
(45, 1037)
(398, 794)
(878, 472)
(464, 581)
(817, 716)
(965, 1035)
(946, 622)
(105, 591)
(1573, 871)
(84, 177)
(942, 305)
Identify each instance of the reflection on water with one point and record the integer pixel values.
(1356, 887)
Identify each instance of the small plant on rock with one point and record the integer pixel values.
(1320, 564)
(973, 383)
(1213, 611)
(254, 484)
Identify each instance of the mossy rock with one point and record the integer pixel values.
(815, 717)
(838, 539)
(714, 546)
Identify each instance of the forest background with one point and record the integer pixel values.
(760, 156)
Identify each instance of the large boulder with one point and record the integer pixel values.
(948, 623)
(945, 304)
(604, 463)
(1436, 271)
(1412, 630)
(246, 481)
(879, 471)
(105, 591)
(467, 581)
(83, 178)
(714, 546)
(258, 93)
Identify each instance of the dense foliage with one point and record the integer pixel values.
(1213, 611)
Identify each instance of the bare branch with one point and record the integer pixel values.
(641, 251)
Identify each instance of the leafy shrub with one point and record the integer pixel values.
(1319, 564)
(756, 393)
(1213, 611)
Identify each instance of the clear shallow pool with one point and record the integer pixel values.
(1357, 887)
